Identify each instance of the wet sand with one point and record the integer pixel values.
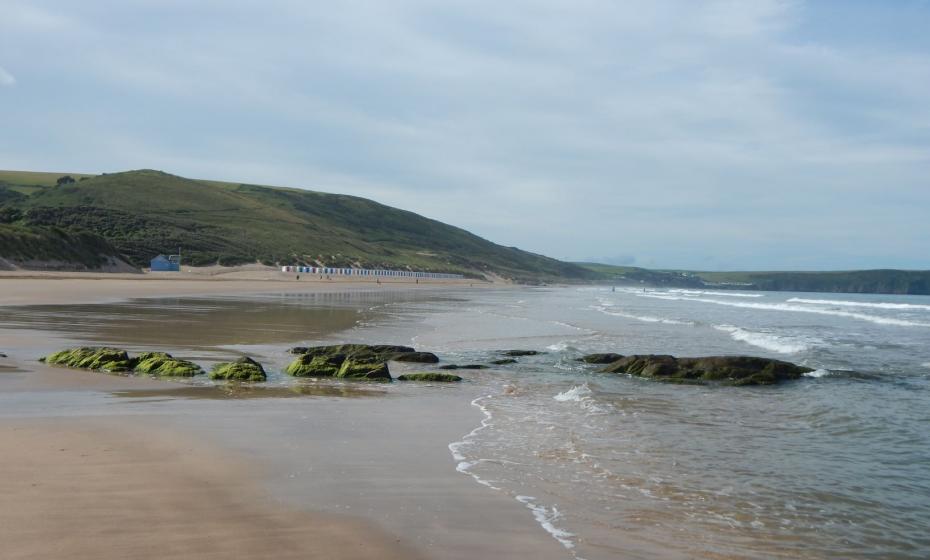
(99, 489)
(104, 466)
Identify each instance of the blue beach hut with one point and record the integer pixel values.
(161, 263)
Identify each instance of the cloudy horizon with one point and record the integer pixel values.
(774, 135)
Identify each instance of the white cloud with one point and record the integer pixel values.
(6, 79)
(660, 129)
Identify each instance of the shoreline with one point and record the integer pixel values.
(180, 471)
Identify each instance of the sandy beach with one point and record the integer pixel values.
(100, 489)
(42, 288)
(105, 466)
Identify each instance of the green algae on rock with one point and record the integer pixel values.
(728, 370)
(430, 376)
(504, 362)
(518, 353)
(353, 361)
(96, 358)
(360, 369)
(162, 364)
(383, 352)
(606, 358)
(466, 366)
(309, 365)
(416, 357)
(243, 369)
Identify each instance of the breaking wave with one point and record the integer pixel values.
(797, 308)
(706, 293)
(583, 395)
(605, 308)
(767, 341)
(874, 305)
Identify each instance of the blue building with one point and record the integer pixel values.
(171, 263)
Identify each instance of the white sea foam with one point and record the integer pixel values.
(560, 347)
(818, 373)
(570, 326)
(874, 305)
(577, 393)
(545, 517)
(927, 365)
(706, 293)
(583, 395)
(606, 309)
(767, 341)
(462, 464)
(798, 309)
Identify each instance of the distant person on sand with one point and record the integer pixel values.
(298, 276)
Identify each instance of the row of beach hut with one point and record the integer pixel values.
(380, 273)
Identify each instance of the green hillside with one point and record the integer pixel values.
(915, 282)
(144, 213)
(55, 247)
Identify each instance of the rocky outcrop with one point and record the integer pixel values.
(430, 376)
(162, 364)
(353, 361)
(416, 357)
(518, 353)
(466, 366)
(111, 360)
(243, 369)
(503, 362)
(308, 365)
(353, 368)
(607, 358)
(115, 360)
(730, 370)
(383, 352)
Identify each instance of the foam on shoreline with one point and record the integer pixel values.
(543, 515)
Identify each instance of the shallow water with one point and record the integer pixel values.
(830, 466)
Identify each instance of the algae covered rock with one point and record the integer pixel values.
(606, 358)
(728, 370)
(416, 357)
(430, 376)
(504, 362)
(309, 365)
(353, 361)
(379, 352)
(95, 358)
(361, 369)
(165, 365)
(518, 353)
(466, 366)
(243, 369)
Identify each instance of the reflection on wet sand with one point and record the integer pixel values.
(242, 391)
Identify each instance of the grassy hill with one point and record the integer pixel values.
(144, 213)
(55, 248)
(915, 282)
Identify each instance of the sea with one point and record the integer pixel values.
(834, 465)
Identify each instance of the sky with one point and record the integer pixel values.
(765, 135)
